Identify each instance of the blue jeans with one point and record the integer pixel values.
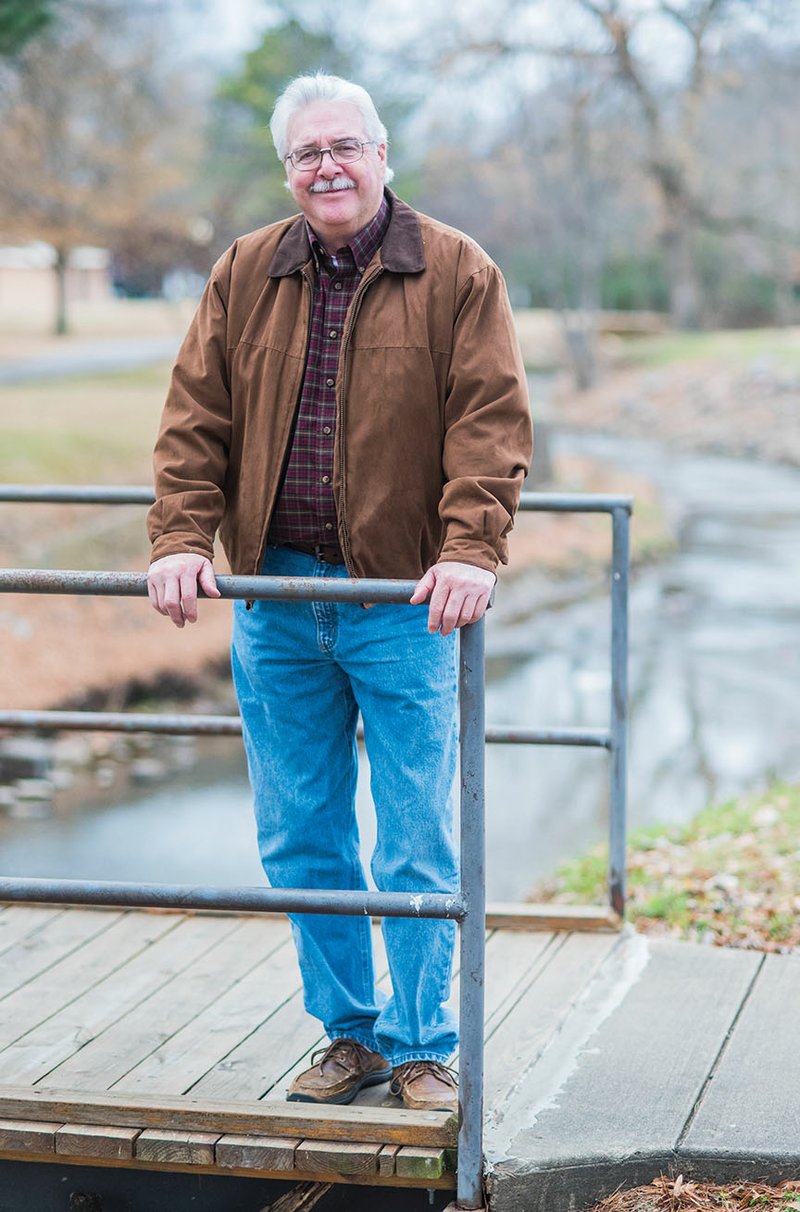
(303, 671)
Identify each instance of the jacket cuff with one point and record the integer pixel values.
(177, 544)
(480, 555)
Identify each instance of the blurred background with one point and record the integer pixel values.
(634, 168)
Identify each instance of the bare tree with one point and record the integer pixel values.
(82, 115)
(666, 60)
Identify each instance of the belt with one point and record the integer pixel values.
(329, 553)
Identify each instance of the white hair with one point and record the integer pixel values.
(305, 90)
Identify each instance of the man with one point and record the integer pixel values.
(349, 401)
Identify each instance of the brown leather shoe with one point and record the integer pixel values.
(338, 1072)
(425, 1086)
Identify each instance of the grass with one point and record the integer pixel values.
(91, 429)
(779, 345)
(97, 428)
(730, 876)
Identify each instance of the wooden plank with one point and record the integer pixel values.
(19, 921)
(78, 972)
(446, 1183)
(146, 1027)
(185, 1113)
(214, 1032)
(386, 1160)
(512, 960)
(626, 1066)
(526, 1031)
(339, 1157)
(419, 1163)
(181, 1148)
(96, 1140)
(62, 934)
(253, 1068)
(752, 1106)
(34, 1055)
(266, 1060)
(28, 1136)
(528, 915)
(256, 1152)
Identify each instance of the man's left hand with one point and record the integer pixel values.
(459, 594)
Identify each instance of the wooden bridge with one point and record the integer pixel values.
(164, 1041)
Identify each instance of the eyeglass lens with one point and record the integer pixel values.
(344, 151)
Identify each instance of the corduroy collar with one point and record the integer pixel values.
(402, 250)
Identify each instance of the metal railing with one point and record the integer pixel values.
(468, 905)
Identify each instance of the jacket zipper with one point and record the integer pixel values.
(249, 603)
(355, 307)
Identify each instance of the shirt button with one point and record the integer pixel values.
(361, 269)
(330, 382)
(329, 525)
(326, 479)
(337, 286)
(326, 429)
(333, 333)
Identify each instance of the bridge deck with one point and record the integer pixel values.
(167, 1040)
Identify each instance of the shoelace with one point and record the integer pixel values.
(413, 1069)
(348, 1049)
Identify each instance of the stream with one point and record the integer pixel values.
(714, 676)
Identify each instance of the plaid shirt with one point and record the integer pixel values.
(305, 510)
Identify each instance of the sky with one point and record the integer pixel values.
(227, 27)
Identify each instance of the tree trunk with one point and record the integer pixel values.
(61, 292)
(685, 300)
(580, 336)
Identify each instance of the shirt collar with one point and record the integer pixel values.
(402, 251)
(364, 244)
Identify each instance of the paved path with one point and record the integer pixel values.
(90, 357)
(662, 1057)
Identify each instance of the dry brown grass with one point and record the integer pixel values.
(666, 1194)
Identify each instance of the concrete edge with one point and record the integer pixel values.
(576, 1184)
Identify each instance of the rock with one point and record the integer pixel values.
(105, 774)
(24, 758)
(62, 777)
(723, 881)
(142, 742)
(30, 810)
(74, 752)
(8, 800)
(148, 770)
(40, 790)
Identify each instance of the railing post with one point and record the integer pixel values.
(620, 517)
(473, 927)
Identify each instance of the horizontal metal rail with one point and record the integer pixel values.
(231, 725)
(270, 900)
(76, 494)
(265, 589)
(100, 494)
(574, 502)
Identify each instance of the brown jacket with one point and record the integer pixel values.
(433, 423)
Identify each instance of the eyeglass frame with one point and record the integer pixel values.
(321, 153)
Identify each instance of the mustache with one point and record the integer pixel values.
(336, 183)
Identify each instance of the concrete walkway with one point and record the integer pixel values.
(669, 1057)
(98, 356)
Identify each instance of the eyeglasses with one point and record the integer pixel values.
(343, 151)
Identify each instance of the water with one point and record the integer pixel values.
(714, 675)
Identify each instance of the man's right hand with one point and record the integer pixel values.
(172, 585)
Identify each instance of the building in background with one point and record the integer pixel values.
(28, 281)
